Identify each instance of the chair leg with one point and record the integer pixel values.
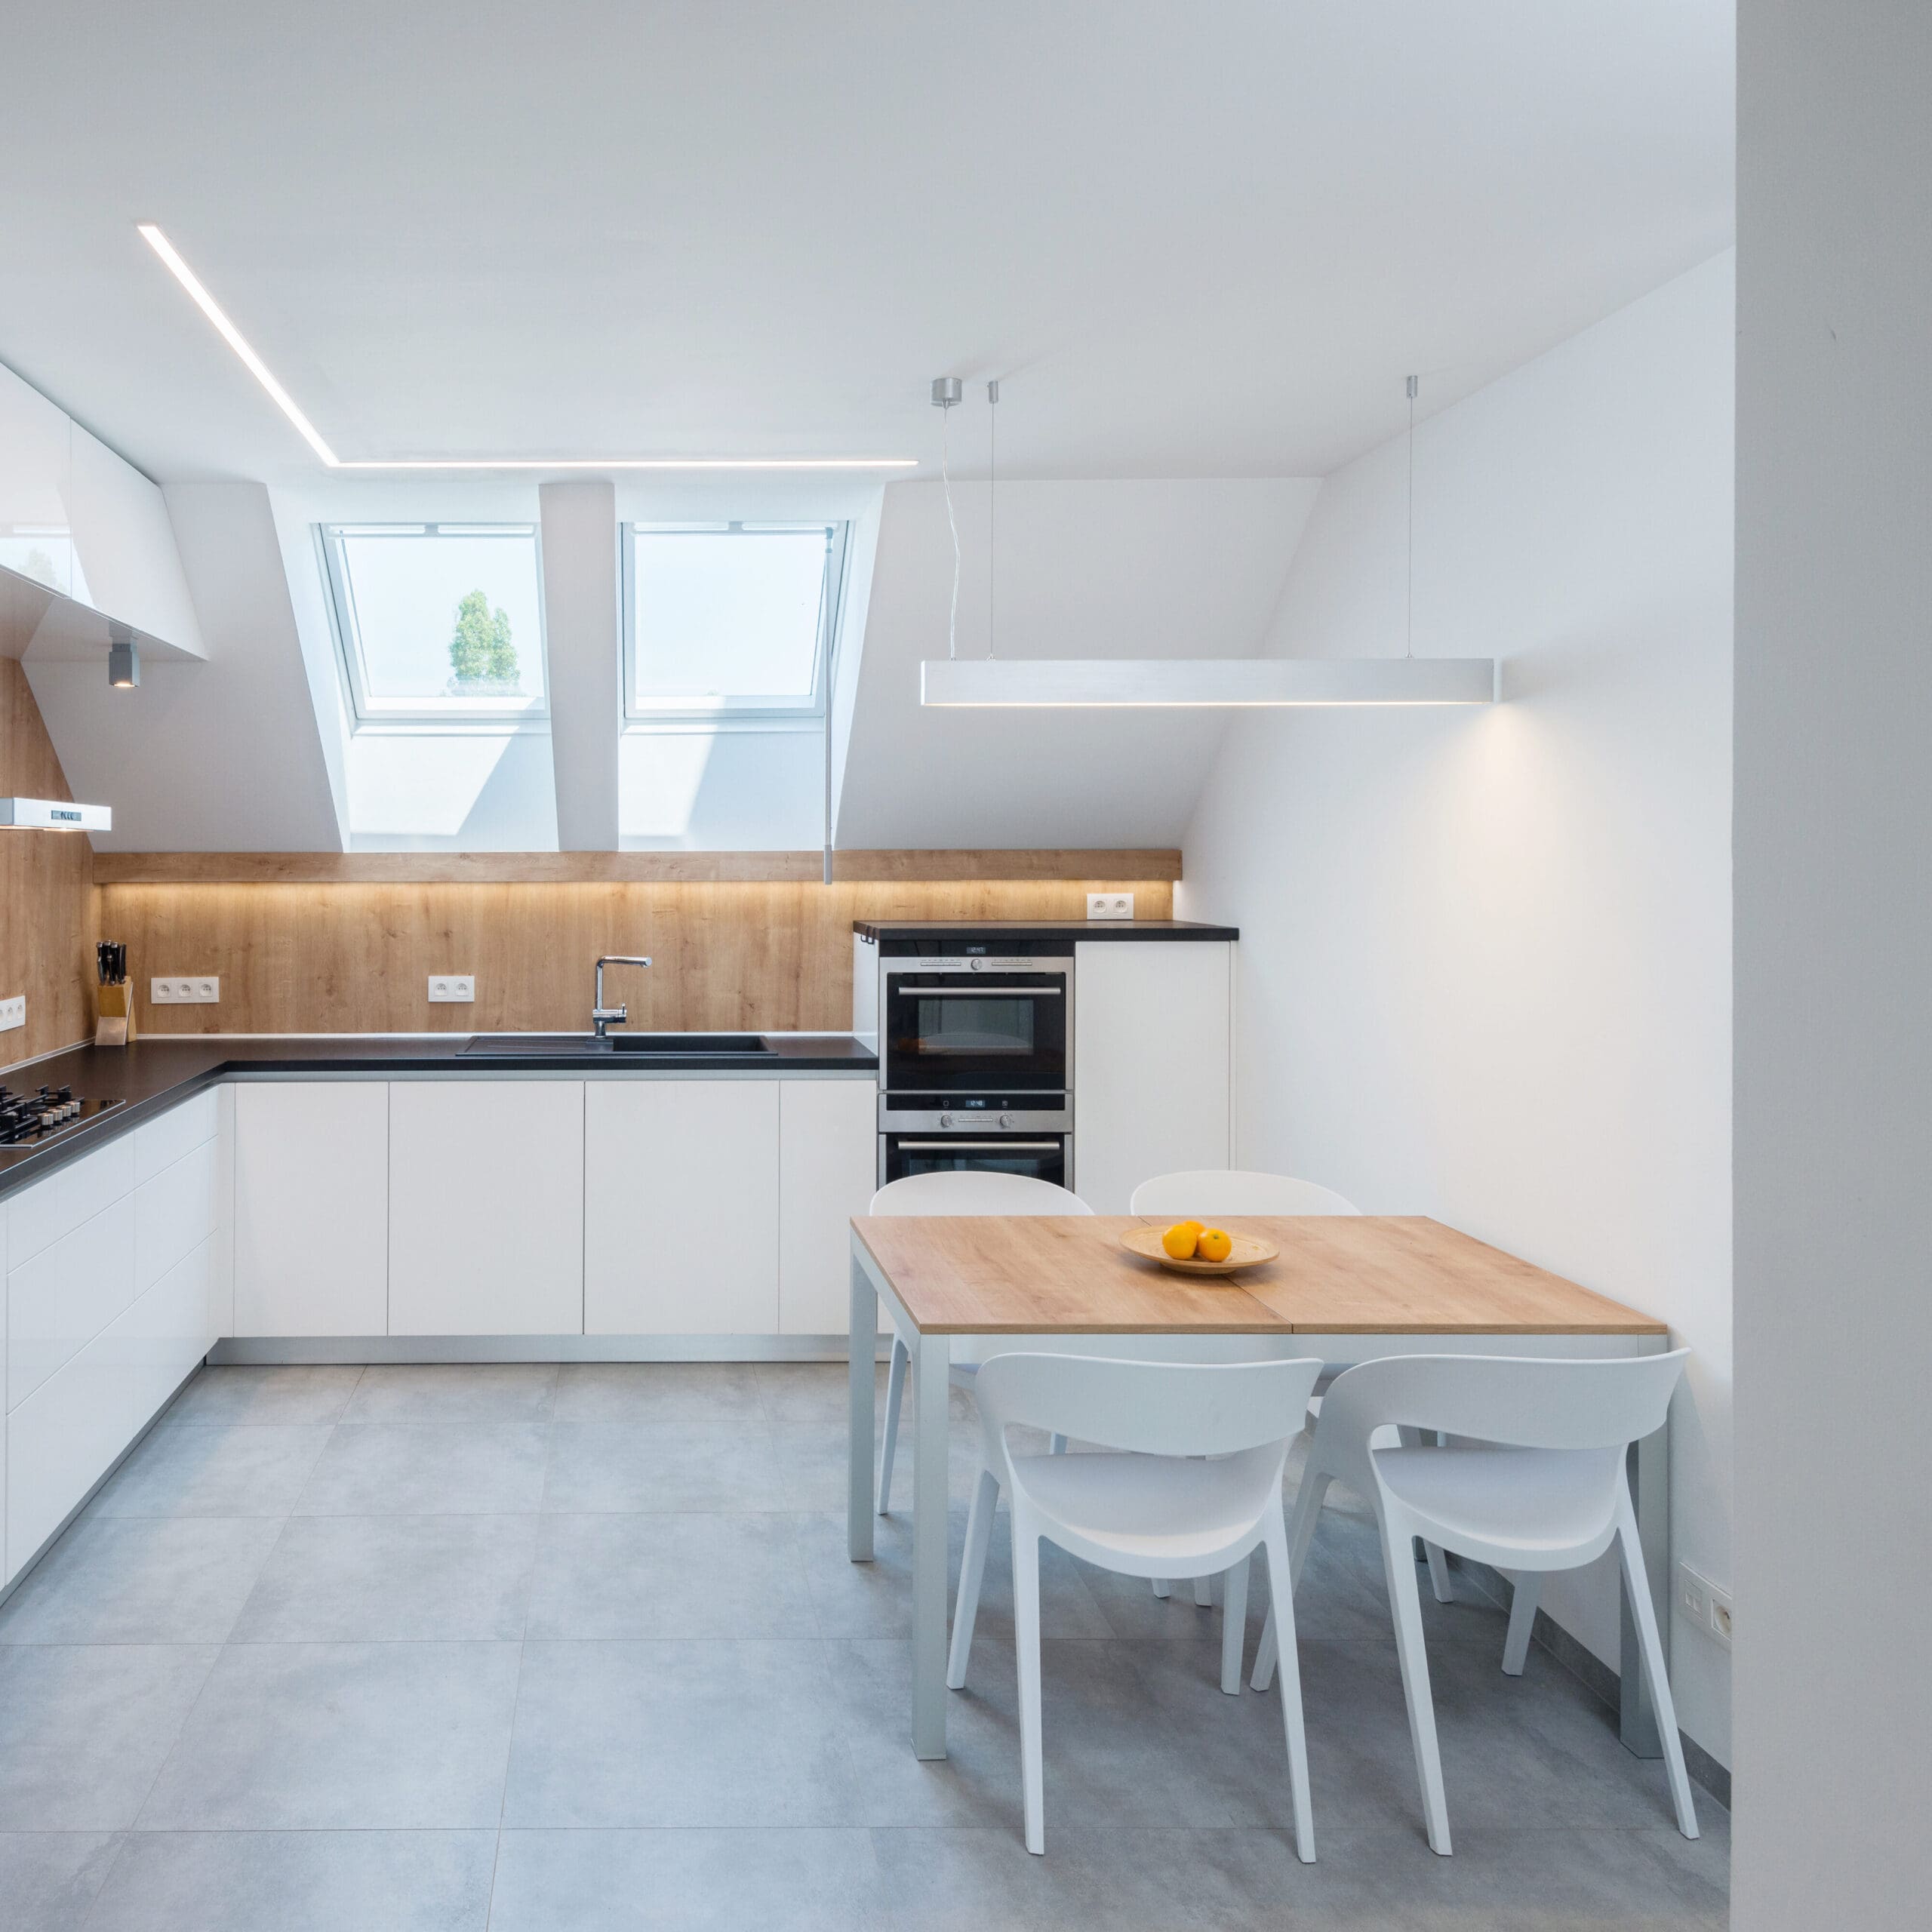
(1281, 1616)
(1307, 1509)
(1405, 1600)
(1162, 1587)
(1438, 1572)
(1234, 1626)
(1522, 1622)
(1204, 1592)
(1027, 1644)
(895, 1388)
(972, 1573)
(1636, 1581)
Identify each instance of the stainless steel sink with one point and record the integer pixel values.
(672, 1046)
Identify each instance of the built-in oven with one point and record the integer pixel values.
(1037, 1154)
(976, 1025)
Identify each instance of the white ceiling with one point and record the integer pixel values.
(1196, 240)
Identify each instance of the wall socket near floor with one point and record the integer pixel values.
(1110, 905)
(13, 1013)
(200, 990)
(452, 989)
(1700, 1602)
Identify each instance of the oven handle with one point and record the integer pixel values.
(982, 990)
(977, 1146)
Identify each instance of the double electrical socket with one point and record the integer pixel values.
(1110, 905)
(1700, 1602)
(196, 992)
(13, 1013)
(452, 989)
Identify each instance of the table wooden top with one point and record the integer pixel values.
(1340, 1274)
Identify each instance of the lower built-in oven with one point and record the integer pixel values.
(976, 1025)
(1038, 1154)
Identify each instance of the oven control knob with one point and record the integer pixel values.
(946, 1120)
(1006, 1120)
(977, 965)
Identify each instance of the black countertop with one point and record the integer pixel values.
(154, 1074)
(1060, 930)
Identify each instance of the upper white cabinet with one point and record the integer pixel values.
(1152, 1049)
(312, 1183)
(828, 1161)
(680, 1207)
(486, 1202)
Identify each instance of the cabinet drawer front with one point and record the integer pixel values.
(827, 1164)
(38, 1216)
(66, 1295)
(160, 1143)
(173, 1214)
(65, 1436)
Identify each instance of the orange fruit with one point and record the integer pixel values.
(1214, 1244)
(1179, 1240)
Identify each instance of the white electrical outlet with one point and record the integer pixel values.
(197, 989)
(1721, 1616)
(1110, 905)
(1700, 1602)
(452, 989)
(13, 1013)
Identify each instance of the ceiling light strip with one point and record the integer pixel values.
(283, 400)
(1184, 682)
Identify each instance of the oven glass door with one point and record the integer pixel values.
(1039, 1157)
(1006, 1034)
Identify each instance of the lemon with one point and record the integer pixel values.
(1213, 1244)
(1179, 1240)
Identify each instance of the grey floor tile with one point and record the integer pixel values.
(146, 1579)
(660, 1393)
(441, 1394)
(797, 1393)
(685, 1880)
(679, 1733)
(343, 1736)
(84, 1730)
(671, 1576)
(376, 1578)
(286, 1395)
(48, 1880)
(298, 1882)
(389, 1469)
(712, 1467)
(215, 1470)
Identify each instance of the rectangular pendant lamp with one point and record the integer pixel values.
(1206, 682)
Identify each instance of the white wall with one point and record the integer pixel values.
(1834, 941)
(1485, 957)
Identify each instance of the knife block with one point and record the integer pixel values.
(113, 1014)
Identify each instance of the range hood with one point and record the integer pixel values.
(54, 815)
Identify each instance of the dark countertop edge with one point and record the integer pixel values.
(158, 1073)
(1078, 929)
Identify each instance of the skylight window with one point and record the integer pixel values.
(437, 622)
(730, 623)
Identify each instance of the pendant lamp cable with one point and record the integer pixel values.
(945, 479)
(1411, 562)
(992, 480)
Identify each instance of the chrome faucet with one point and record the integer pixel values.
(600, 1015)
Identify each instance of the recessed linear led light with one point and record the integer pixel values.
(283, 400)
(1205, 682)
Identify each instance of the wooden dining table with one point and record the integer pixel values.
(1344, 1287)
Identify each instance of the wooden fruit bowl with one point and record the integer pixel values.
(1246, 1252)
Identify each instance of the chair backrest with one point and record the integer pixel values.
(1228, 1191)
(966, 1192)
(1159, 1408)
(1530, 1403)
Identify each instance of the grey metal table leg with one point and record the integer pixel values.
(858, 1473)
(931, 1359)
(1649, 1468)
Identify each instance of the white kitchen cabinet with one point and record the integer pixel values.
(312, 1183)
(828, 1164)
(486, 1207)
(680, 1207)
(174, 1213)
(59, 1301)
(1152, 1063)
(160, 1143)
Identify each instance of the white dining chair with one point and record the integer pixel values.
(962, 1192)
(1535, 1481)
(1225, 1193)
(1144, 1503)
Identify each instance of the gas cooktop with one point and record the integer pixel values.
(31, 1120)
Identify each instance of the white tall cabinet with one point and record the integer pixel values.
(1152, 1063)
(828, 1164)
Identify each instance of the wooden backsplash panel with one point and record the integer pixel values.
(47, 929)
(769, 958)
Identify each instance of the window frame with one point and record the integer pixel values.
(764, 712)
(491, 714)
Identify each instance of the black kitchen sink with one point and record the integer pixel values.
(671, 1046)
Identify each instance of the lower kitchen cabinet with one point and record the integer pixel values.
(680, 1207)
(312, 1183)
(828, 1165)
(486, 1207)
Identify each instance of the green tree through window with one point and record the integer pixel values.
(482, 657)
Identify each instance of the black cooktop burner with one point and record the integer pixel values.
(29, 1120)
